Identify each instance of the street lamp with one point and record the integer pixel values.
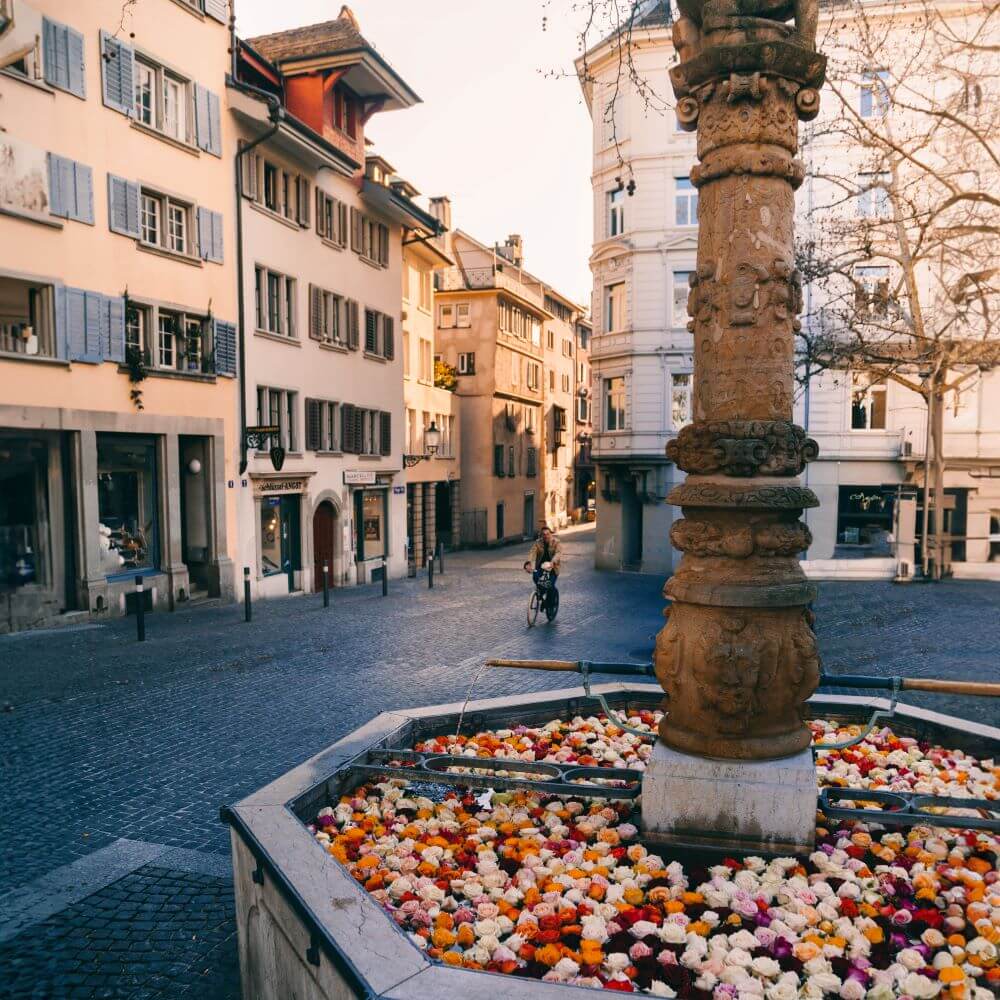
(432, 440)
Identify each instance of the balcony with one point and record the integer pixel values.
(457, 279)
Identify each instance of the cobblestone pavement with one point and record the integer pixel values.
(116, 756)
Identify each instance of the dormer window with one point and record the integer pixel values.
(344, 111)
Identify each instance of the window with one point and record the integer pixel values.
(531, 463)
(559, 424)
(369, 239)
(680, 400)
(127, 503)
(446, 316)
(275, 302)
(277, 408)
(425, 295)
(614, 307)
(372, 524)
(565, 383)
(135, 330)
(685, 202)
(871, 292)
(165, 340)
(463, 317)
(162, 99)
(166, 223)
(498, 456)
(583, 335)
(873, 199)
(994, 536)
(530, 419)
(180, 341)
(425, 356)
(379, 335)
(533, 375)
(583, 410)
(344, 112)
(682, 287)
(331, 218)
(616, 212)
(868, 402)
(271, 191)
(467, 363)
(515, 369)
(511, 461)
(874, 94)
(567, 348)
(864, 517)
(614, 403)
(550, 339)
(322, 425)
(327, 316)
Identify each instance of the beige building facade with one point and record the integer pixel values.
(433, 469)
(117, 309)
(324, 230)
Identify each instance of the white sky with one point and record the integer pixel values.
(510, 147)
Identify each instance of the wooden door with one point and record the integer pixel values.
(324, 526)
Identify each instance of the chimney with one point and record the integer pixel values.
(513, 249)
(441, 210)
(346, 14)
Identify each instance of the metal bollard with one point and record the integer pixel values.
(385, 577)
(247, 609)
(326, 586)
(430, 571)
(441, 557)
(140, 609)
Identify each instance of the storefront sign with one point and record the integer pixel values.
(359, 477)
(280, 484)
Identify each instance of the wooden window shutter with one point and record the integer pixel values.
(83, 178)
(117, 74)
(320, 213)
(357, 223)
(353, 324)
(114, 346)
(224, 338)
(371, 331)
(498, 469)
(385, 436)
(388, 338)
(207, 120)
(341, 210)
(123, 206)
(314, 425)
(315, 312)
(383, 245)
(249, 175)
(347, 428)
(62, 53)
(303, 201)
(216, 9)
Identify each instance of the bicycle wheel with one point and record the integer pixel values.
(552, 605)
(533, 608)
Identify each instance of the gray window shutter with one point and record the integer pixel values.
(315, 312)
(204, 219)
(207, 123)
(58, 196)
(123, 206)
(96, 312)
(61, 323)
(76, 323)
(303, 201)
(74, 58)
(62, 51)
(386, 432)
(83, 178)
(357, 222)
(249, 162)
(353, 324)
(314, 426)
(388, 338)
(224, 335)
(114, 347)
(216, 9)
(341, 223)
(217, 255)
(117, 74)
(321, 214)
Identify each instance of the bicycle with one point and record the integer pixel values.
(544, 597)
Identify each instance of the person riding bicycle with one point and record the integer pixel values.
(545, 550)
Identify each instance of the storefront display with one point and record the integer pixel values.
(280, 551)
(23, 504)
(370, 518)
(127, 503)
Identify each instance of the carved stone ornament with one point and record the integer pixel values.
(743, 448)
(738, 656)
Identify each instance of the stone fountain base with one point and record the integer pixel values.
(307, 929)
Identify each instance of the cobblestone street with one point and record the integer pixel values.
(116, 756)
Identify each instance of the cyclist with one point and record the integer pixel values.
(545, 550)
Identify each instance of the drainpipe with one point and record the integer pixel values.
(275, 113)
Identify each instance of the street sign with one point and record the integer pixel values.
(359, 477)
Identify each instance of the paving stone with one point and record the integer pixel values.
(110, 740)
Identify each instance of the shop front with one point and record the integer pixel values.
(279, 501)
(374, 536)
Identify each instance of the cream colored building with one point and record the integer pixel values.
(323, 232)
(495, 322)
(869, 474)
(584, 483)
(118, 448)
(433, 478)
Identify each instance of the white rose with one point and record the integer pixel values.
(880, 991)
(671, 934)
(766, 967)
(617, 961)
(920, 987)
(782, 991)
(658, 989)
(744, 940)
(740, 957)
(911, 959)
(594, 929)
(566, 968)
(825, 982)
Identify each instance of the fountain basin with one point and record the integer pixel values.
(308, 928)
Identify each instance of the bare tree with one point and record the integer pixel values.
(901, 243)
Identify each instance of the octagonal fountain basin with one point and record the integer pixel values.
(375, 869)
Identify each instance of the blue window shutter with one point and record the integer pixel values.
(216, 9)
(204, 233)
(224, 335)
(76, 324)
(57, 197)
(117, 74)
(84, 183)
(123, 206)
(59, 304)
(96, 313)
(207, 124)
(77, 83)
(54, 54)
(217, 255)
(114, 348)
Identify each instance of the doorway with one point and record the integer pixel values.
(631, 526)
(442, 513)
(500, 525)
(529, 515)
(324, 539)
(196, 543)
(279, 538)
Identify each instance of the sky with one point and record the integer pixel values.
(507, 141)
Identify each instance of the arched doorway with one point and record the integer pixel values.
(324, 536)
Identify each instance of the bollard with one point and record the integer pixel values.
(430, 571)
(140, 610)
(247, 610)
(385, 577)
(326, 586)
(441, 557)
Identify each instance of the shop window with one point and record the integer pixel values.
(270, 536)
(371, 524)
(127, 504)
(23, 506)
(868, 402)
(864, 518)
(994, 537)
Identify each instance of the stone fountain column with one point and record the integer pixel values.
(738, 656)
